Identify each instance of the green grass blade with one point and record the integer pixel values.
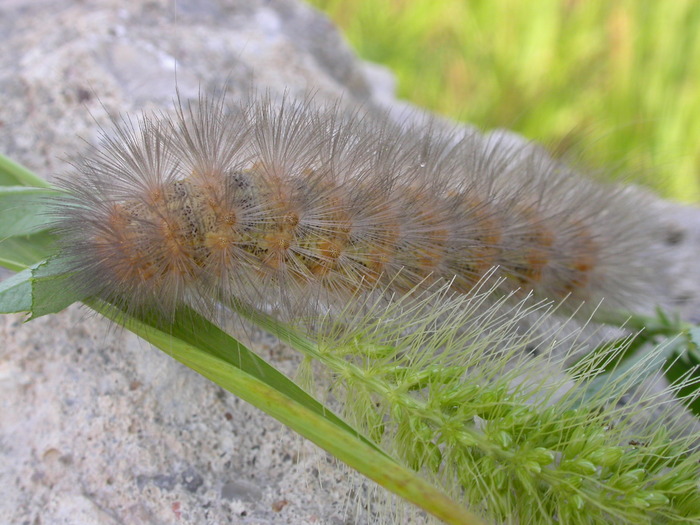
(254, 387)
(51, 292)
(16, 293)
(193, 329)
(23, 210)
(13, 174)
(16, 253)
(683, 368)
(20, 243)
(11, 264)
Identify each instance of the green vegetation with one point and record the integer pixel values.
(616, 84)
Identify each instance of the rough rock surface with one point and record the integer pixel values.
(96, 426)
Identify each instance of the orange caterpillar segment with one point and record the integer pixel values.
(422, 244)
(375, 246)
(579, 262)
(581, 269)
(322, 248)
(529, 247)
(475, 241)
(157, 240)
(119, 246)
(370, 231)
(277, 239)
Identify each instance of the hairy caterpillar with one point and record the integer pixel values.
(278, 202)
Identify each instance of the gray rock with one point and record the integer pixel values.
(240, 489)
(96, 426)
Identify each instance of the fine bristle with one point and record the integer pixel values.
(293, 205)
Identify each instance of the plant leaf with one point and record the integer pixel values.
(694, 334)
(50, 294)
(14, 174)
(16, 293)
(23, 210)
(20, 243)
(39, 290)
(688, 371)
(683, 366)
(17, 253)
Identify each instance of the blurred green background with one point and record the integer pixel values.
(615, 84)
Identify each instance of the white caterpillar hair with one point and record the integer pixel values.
(292, 203)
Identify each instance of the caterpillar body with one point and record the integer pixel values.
(293, 203)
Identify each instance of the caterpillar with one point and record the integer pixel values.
(297, 203)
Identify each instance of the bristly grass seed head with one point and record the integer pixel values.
(453, 394)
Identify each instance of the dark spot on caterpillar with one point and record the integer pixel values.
(238, 179)
(180, 189)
